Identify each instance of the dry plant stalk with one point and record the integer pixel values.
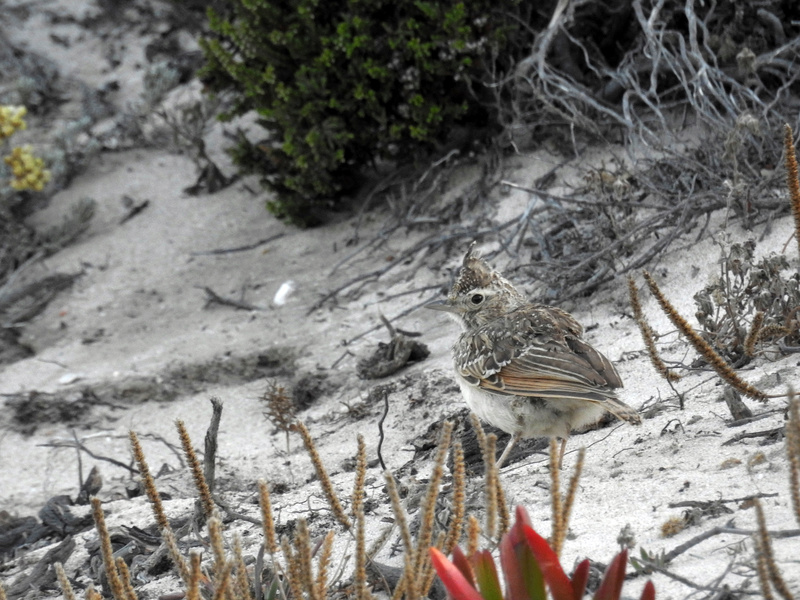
(293, 573)
(772, 331)
(158, 508)
(459, 498)
(267, 522)
(91, 593)
(555, 498)
(174, 553)
(428, 509)
(221, 591)
(193, 587)
(479, 432)
(197, 470)
(765, 559)
(562, 508)
(242, 584)
(217, 545)
(490, 467)
(428, 573)
(360, 577)
(399, 514)
(409, 554)
(321, 582)
(322, 475)
(149, 483)
(792, 180)
(302, 552)
(719, 364)
(381, 539)
(648, 335)
(572, 490)
(114, 582)
(473, 534)
(280, 410)
(762, 571)
(2, 592)
(63, 582)
(754, 334)
(303, 568)
(495, 496)
(417, 572)
(125, 577)
(793, 451)
(502, 509)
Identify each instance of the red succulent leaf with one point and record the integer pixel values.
(457, 585)
(523, 576)
(649, 591)
(486, 575)
(560, 586)
(522, 516)
(462, 564)
(611, 586)
(579, 579)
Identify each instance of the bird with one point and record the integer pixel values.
(524, 367)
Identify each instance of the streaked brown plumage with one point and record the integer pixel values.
(524, 367)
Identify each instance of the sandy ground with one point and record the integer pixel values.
(136, 328)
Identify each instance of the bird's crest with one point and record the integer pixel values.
(474, 273)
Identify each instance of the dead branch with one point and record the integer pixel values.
(244, 248)
(212, 297)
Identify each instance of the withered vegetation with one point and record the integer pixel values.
(719, 364)
(648, 335)
(748, 309)
(299, 567)
(279, 408)
(749, 305)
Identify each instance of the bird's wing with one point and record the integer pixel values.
(536, 352)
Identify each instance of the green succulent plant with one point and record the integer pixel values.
(339, 84)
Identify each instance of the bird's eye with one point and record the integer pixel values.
(476, 298)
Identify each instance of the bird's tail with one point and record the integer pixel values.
(621, 410)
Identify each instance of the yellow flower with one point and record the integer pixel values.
(28, 170)
(11, 120)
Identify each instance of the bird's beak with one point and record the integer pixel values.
(442, 305)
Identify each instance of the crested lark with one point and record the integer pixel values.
(523, 367)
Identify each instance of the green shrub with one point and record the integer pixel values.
(341, 83)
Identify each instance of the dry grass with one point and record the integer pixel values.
(562, 507)
(719, 364)
(648, 335)
(793, 451)
(768, 573)
(792, 180)
(324, 479)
